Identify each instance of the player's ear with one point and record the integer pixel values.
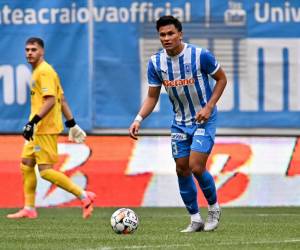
(181, 35)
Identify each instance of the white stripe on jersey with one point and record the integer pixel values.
(164, 71)
(191, 88)
(201, 82)
(181, 94)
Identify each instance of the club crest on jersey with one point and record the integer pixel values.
(164, 71)
(178, 136)
(37, 148)
(187, 68)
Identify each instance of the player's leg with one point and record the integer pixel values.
(188, 192)
(187, 187)
(201, 147)
(61, 180)
(204, 178)
(45, 158)
(207, 185)
(29, 184)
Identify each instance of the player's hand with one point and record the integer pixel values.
(203, 115)
(28, 131)
(134, 129)
(76, 134)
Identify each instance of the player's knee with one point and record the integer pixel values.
(42, 167)
(27, 162)
(197, 165)
(182, 170)
(197, 168)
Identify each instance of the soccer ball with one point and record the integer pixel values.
(124, 221)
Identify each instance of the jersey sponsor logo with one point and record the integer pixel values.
(178, 82)
(178, 136)
(200, 131)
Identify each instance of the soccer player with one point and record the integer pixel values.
(183, 69)
(41, 133)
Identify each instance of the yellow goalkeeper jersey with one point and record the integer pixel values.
(45, 82)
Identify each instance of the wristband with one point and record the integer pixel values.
(138, 118)
(35, 119)
(70, 123)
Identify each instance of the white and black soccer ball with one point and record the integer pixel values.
(124, 221)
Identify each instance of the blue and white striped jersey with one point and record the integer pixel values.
(185, 78)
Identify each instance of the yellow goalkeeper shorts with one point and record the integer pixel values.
(43, 149)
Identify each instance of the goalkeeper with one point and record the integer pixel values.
(41, 133)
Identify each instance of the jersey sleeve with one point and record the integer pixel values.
(47, 83)
(61, 90)
(153, 79)
(208, 62)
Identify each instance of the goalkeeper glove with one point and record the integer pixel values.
(28, 129)
(76, 134)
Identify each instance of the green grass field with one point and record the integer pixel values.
(240, 228)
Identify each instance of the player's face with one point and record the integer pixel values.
(34, 53)
(170, 39)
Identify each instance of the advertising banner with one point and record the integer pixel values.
(101, 48)
(248, 171)
(66, 49)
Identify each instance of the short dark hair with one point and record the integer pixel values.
(167, 20)
(37, 40)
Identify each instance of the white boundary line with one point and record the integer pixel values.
(226, 243)
(266, 215)
(145, 247)
(263, 215)
(263, 242)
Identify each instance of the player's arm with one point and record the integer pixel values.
(75, 132)
(48, 103)
(221, 81)
(145, 110)
(210, 66)
(66, 109)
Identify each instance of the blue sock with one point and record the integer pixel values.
(208, 187)
(188, 192)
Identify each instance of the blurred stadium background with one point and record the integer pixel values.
(100, 50)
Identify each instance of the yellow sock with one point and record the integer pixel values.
(61, 180)
(29, 185)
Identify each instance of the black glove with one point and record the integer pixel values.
(28, 129)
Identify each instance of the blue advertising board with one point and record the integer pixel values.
(100, 50)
